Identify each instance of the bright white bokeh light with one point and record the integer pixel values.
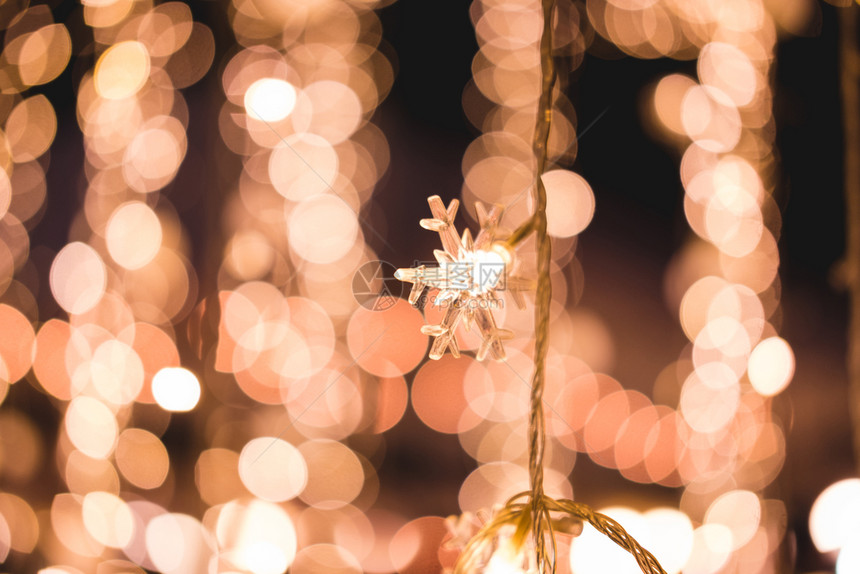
(176, 389)
(834, 520)
(504, 561)
(670, 538)
(771, 366)
(594, 553)
(256, 536)
(265, 558)
(666, 532)
(849, 559)
(270, 100)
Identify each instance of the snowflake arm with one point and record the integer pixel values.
(443, 223)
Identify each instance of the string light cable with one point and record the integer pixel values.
(520, 536)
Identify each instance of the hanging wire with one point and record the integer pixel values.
(518, 514)
(532, 515)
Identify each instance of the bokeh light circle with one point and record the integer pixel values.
(273, 469)
(834, 520)
(322, 228)
(771, 366)
(122, 70)
(78, 278)
(388, 342)
(133, 235)
(569, 203)
(176, 389)
(270, 99)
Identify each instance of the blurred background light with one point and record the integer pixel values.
(205, 367)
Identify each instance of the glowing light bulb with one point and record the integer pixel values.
(470, 274)
(479, 272)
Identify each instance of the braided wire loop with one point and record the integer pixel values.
(528, 515)
(518, 513)
(614, 531)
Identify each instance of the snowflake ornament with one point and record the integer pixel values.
(470, 276)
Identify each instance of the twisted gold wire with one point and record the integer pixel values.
(530, 513)
(613, 530)
(537, 435)
(518, 515)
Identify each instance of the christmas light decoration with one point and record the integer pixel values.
(520, 537)
(204, 361)
(469, 275)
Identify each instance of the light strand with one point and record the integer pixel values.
(537, 433)
(518, 514)
(535, 517)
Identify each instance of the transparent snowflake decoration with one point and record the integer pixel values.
(470, 278)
